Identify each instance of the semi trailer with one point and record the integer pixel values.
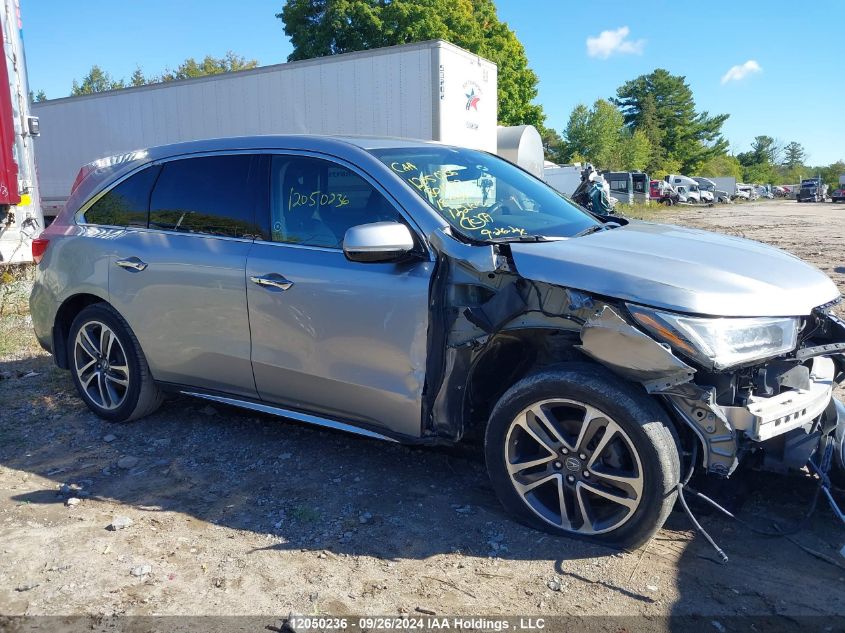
(430, 90)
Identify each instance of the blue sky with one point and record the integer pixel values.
(794, 89)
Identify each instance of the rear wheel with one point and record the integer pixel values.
(108, 366)
(578, 452)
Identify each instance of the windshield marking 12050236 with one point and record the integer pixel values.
(484, 197)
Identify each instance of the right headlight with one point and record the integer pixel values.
(720, 342)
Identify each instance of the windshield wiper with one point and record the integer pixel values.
(591, 229)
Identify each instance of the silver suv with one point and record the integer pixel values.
(422, 293)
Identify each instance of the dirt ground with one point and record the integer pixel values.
(234, 513)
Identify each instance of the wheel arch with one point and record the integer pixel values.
(65, 315)
(522, 352)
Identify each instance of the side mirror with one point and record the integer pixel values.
(377, 242)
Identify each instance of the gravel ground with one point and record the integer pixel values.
(207, 510)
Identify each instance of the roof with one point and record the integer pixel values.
(314, 142)
(352, 148)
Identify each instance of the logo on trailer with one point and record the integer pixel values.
(472, 91)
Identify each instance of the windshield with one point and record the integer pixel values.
(484, 197)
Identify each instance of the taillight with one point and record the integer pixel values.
(39, 247)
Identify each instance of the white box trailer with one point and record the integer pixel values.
(430, 90)
(564, 178)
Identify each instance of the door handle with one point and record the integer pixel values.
(273, 280)
(132, 263)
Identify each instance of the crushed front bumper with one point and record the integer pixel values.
(766, 417)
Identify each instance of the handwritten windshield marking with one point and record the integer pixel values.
(466, 215)
(315, 198)
(503, 232)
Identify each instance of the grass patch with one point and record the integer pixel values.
(17, 338)
(15, 286)
(656, 212)
(648, 212)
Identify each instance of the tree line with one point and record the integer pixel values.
(650, 124)
(98, 80)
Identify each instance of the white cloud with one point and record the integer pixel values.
(609, 43)
(741, 71)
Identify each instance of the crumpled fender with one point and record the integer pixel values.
(610, 340)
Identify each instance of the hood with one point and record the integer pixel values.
(679, 269)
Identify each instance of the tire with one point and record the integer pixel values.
(116, 385)
(643, 447)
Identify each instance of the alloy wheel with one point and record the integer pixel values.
(574, 466)
(100, 364)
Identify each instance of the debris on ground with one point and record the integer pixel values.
(120, 522)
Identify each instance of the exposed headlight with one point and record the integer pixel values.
(719, 343)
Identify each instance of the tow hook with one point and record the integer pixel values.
(822, 470)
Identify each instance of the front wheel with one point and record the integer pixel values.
(108, 366)
(575, 451)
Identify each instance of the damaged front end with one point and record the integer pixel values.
(776, 412)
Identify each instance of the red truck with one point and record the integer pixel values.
(21, 217)
(662, 192)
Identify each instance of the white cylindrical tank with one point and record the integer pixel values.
(521, 144)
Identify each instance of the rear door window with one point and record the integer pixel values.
(126, 204)
(210, 195)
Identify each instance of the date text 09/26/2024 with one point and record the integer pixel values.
(417, 623)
